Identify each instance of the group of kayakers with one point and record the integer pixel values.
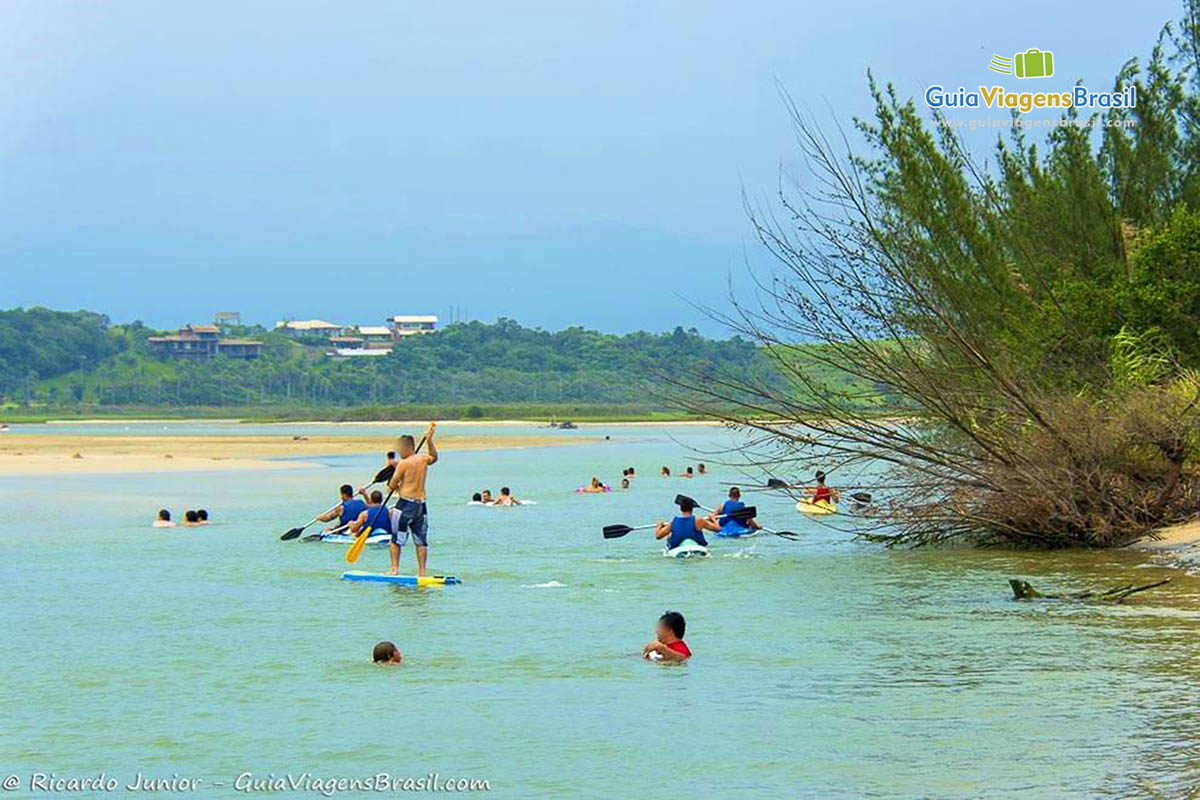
(359, 510)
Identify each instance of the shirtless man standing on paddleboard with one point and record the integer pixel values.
(408, 482)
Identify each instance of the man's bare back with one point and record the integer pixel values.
(409, 479)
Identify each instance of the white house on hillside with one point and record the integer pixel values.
(309, 327)
(407, 325)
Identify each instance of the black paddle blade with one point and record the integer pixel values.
(681, 498)
(385, 474)
(789, 535)
(775, 483)
(312, 537)
(861, 497)
(749, 512)
(292, 534)
(616, 531)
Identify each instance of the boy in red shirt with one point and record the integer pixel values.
(669, 646)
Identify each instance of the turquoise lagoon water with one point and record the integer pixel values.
(826, 668)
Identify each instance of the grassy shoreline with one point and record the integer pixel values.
(496, 412)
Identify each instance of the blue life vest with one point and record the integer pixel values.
(730, 507)
(351, 509)
(682, 529)
(379, 518)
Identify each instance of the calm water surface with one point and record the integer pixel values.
(827, 668)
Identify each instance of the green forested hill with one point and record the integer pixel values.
(60, 359)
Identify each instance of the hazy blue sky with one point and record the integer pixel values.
(558, 163)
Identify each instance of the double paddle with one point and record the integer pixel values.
(791, 536)
(617, 531)
(859, 497)
(384, 474)
(356, 548)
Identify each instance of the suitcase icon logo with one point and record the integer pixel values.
(1033, 63)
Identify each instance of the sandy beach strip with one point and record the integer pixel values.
(32, 454)
(1175, 537)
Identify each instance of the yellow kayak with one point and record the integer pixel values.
(816, 509)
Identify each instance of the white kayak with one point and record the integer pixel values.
(374, 540)
(687, 549)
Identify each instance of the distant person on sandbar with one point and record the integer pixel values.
(164, 519)
(386, 653)
(347, 509)
(506, 498)
(409, 483)
(668, 644)
(685, 526)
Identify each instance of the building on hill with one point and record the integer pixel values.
(355, 347)
(309, 327)
(407, 325)
(203, 341)
(227, 319)
(239, 348)
(377, 337)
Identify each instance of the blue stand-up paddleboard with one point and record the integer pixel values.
(400, 580)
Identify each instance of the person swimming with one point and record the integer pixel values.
(668, 644)
(386, 653)
(687, 473)
(201, 516)
(506, 498)
(164, 519)
(685, 526)
(665, 472)
(477, 497)
(700, 468)
(485, 497)
(595, 487)
(190, 520)
(624, 483)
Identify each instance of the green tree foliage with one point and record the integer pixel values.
(1035, 317)
(42, 343)
(470, 364)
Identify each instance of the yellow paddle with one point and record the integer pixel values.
(360, 542)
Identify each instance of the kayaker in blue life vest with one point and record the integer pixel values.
(734, 504)
(685, 526)
(345, 511)
(373, 514)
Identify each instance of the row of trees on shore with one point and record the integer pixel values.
(63, 359)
